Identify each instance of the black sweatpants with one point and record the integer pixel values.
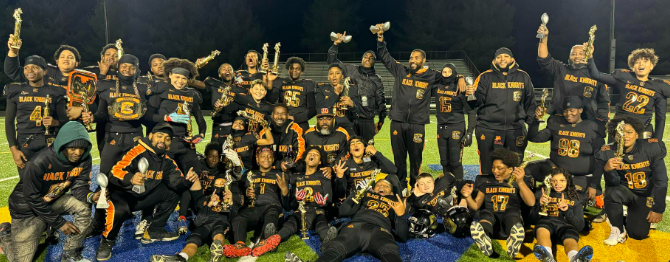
(407, 139)
(501, 223)
(449, 145)
(252, 218)
(122, 205)
(29, 144)
(185, 157)
(489, 139)
(220, 133)
(357, 237)
(636, 222)
(206, 227)
(365, 128)
(314, 221)
(116, 146)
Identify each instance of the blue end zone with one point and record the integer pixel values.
(469, 171)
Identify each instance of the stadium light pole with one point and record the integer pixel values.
(612, 40)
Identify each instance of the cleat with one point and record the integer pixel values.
(584, 255)
(215, 251)
(615, 237)
(140, 228)
(159, 235)
(104, 251)
(183, 225)
(239, 249)
(269, 230)
(515, 239)
(164, 258)
(266, 245)
(332, 233)
(481, 239)
(290, 257)
(542, 254)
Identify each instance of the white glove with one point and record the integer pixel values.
(233, 157)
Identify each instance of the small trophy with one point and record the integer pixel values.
(143, 165)
(368, 157)
(17, 27)
(275, 64)
(619, 140)
(385, 27)
(264, 123)
(119, 48)
(102, 181)
(543, 102)
(545, 20)
(470, 82)
(345, 39)
(47, 112)
(589, 48)
(303, 221)
(264, 69)
(289, 157)
(368, 185)
(547, 191)
(86, 101)
(221, 101)
(252, 200)
(523, 165)
(345, 91)
(226, 186)
(203, 61)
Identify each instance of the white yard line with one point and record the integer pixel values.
(8, 178)
(540, 155)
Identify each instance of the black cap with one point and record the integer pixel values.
(154, 56)
(336, 65)
(36, 60)
(503, 50)
(572, 102)
(163, 128)
(78, 143)
(325, 111)
(371, 52)
(452, 66)
(129, 59)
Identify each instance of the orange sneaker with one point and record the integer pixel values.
(266, 245)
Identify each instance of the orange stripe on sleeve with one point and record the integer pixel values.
(117, 170)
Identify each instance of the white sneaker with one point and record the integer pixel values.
(615, 237)
(140, 228)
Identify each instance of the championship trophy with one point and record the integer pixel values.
(221, 101)
(275, 64)
(102, 181)
(303, 221)
(386, 26)
(619, 139)
(589, 47)
(227, 202)
(523, 165)
(47, 112)
(185, 110)
(17, 27)
(345, 39)
(252, 200)
(545, 20)
(264, 69)
(119, 48)
(87, 101)
(547, 191)
(289, 157)
(345, 91)
(368, 185)
(368, 157)
(469, 81)
(81, 90)
(143, 165)
(203, 61)
(543, 102)
(264, 123)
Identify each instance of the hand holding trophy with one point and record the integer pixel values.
(545, 19)
(470, 88)
(143, 165)
(338, 38)
(102, 181)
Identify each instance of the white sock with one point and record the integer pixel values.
(184, 255)
(571, 254)
(548, 251)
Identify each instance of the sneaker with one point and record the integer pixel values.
(584, 255)
(140, 228)
(602, 217)
(481, 239)
(73, 256)
(215, 251)
(266, 245)
(239, 249)
(158, 235)
(290, 257)
(52, 236)
(332, 234)
(104, 252)
(183, 225)
(515, 239)
(165, 258)
(615, 237)
(542, 254)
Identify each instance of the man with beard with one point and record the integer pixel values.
(370, 90)
(107, 67)
(67, 59)
(373, 224)
(39, 199)
(573, 79)
(252, 64)
(332, 140)
(296, 93)
(289, 143)
(506, 101)
(245, 143)
(25, 105)
(333, 96)
(410, 107)
(161, 180)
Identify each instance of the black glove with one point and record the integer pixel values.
(466, 140)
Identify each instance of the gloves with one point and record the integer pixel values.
(319, 199)
(466, 141)
(196, 139)
(233, 157)
(177, 118)
(300, 195)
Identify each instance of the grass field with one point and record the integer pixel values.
(9, 178)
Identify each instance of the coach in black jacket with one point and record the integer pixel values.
(506, 101)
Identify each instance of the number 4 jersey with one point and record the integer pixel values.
(500, 197)
(30, 104)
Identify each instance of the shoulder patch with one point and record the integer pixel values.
(652, 140)
(605, 148)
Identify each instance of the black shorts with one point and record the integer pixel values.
(206, 227)
(559, 230)
(502, 222)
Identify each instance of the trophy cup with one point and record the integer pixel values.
(589, 48)
(543, 102)
(289, 157)
(143, 165)
(368, 157)
(264, 69)
(86, 101)
(547, 191)
(275, 64)
(47, 112)
(386, 26)
(252, 200)
(102, 181)
(368, 185)
(523, 165)
(345, 91)
(345, 39)
(303, 221)
(619, 140)
(470, 81)
(119, 48)
(203, 61)
(226, 186)
(545, 20)
(264, 123)
(221, 101)
(17, 27)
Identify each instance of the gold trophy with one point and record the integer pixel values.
(619, 139)
(47, 112)
(86, 101)
(345, 39)
(368, 185)
(545, 20)
(17, 27)
(222, 101)
(186, 111)
(523, 165)
(386, 26)
(264, 123)
(252, 200)
(264, 69)
(227, 202)
(119, 48)
(589, 48)
(345, 91)
(543, 102)
(275, 64)
(303, 227)
(547, 191)
(203, 61)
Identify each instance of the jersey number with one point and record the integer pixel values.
(379, 207)
(36, 116)
(636, 180)
(631, 98)
(445, 106)
(499, 202)
(569, 148)
(291, 98)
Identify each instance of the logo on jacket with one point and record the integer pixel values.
(419, 93)
(517, 96)
(456, 135)
(520, 140)
(497, 141)
(395, 132)
(418, 138)
(588, 91)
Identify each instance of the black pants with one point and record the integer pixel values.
(449, 145)
(185, 157)
(314, 221)
(501, 223)
(122, 204)
(220, 133)
(29, 144)
(365, 128)
(407, 139)
(206, 227)
(116, 146)
(100, 136)
(252, 218)
(489, 139)
(361, 237)
(636, 222)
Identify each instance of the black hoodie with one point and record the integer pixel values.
(288, 141)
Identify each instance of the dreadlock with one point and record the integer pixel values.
(183, 63)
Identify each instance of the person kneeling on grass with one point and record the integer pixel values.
(563, 220)
(499, 203)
